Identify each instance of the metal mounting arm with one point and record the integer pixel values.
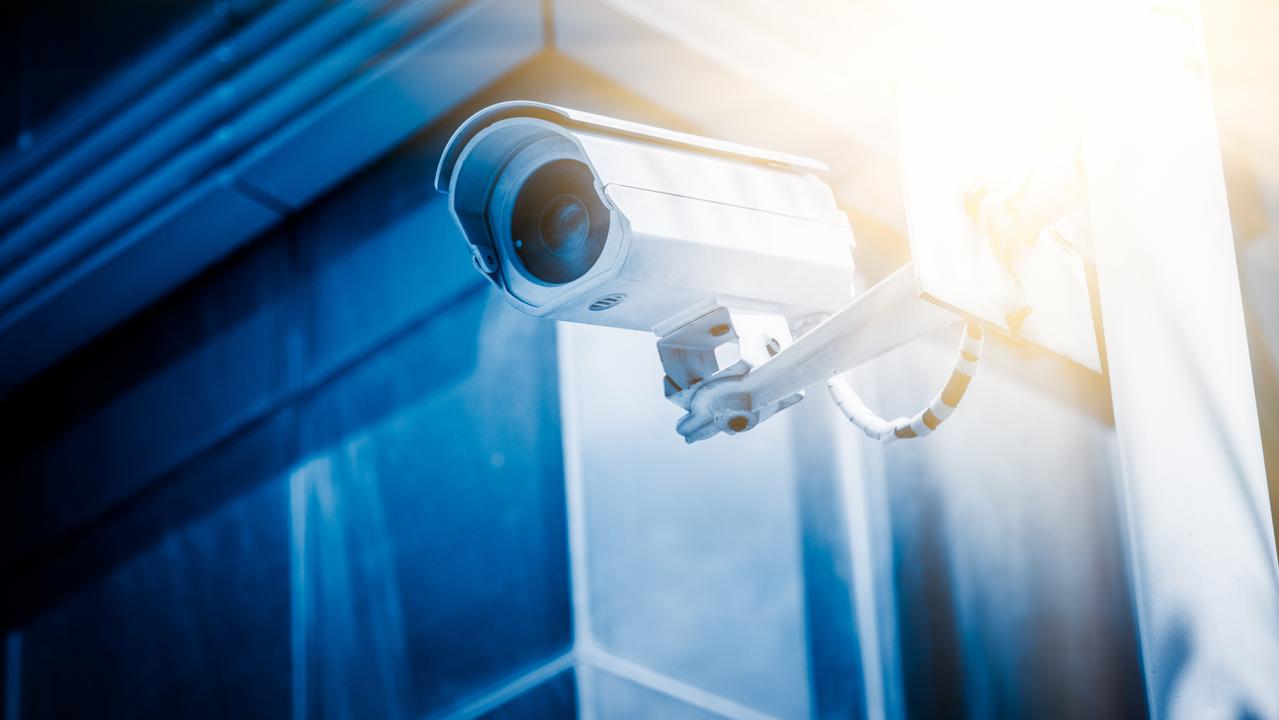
(890, 314)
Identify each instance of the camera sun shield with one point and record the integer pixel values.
(583, 218)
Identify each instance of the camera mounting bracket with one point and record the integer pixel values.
(723, 344)
(888, 315)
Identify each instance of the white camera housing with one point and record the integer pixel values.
(588, 219)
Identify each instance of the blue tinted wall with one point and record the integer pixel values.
(323, 479)
(54, 52)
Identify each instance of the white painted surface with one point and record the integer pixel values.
(1199, 530)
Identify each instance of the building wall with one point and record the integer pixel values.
(53, 53)
(323, 478)
(1007, 562)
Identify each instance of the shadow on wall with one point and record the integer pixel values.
(933, 668)
(1009, 577)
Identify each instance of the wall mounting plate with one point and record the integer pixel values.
(950, 153)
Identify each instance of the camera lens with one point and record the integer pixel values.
(565, 225)
(559, 224)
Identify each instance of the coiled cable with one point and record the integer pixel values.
(926, 420)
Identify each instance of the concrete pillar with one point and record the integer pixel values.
(1198, 524)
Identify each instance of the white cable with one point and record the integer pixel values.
(926, 420)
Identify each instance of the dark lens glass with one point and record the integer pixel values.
(565, 225)
(559, 225)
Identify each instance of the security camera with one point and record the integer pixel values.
(588, 219)
(736, 258)
(723, 251)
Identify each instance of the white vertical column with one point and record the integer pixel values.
(686, 560)
(1199, 529)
